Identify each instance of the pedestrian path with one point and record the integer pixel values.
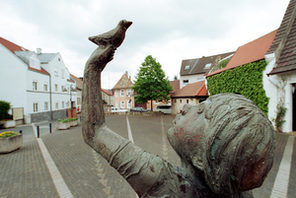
(281, 184)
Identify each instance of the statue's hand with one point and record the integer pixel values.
(101, 56)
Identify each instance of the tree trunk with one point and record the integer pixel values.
(151, 105)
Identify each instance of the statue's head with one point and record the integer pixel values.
(228, 139)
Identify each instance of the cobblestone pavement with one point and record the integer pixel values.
(24, 174)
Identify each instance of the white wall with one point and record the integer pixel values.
(279, 88)
(39, 96)
(191, 79)
(178, 103)
(13, 78)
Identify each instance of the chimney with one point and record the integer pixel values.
(38, 51)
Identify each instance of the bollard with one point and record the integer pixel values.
(50, 131)
(38, 132)
(21, 132)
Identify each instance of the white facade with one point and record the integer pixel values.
(279, 88)
(29, 81)
(184, 80)
(13, 88)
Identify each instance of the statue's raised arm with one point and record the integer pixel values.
(226, 143)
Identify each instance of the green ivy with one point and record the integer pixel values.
(246, 80)
(223, 63)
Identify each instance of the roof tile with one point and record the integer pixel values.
(192, 90)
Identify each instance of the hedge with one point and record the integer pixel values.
(246, 80)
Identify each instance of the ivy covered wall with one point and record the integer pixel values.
(246, 80)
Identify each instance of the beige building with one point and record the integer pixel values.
(193, 93)
(123, 94)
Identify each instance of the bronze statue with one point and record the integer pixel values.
(225, 143)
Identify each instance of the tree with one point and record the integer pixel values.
(4, 108)
(151, 82)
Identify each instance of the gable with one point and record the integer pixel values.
(124, 82)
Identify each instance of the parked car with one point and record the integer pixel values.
(166, 109)
(138, 109)
(117, 109)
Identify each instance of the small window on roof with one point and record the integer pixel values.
(187, 67)
(208, 66)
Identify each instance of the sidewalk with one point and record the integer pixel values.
(24, 173)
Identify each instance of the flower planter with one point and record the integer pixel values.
(62, 126)
(8, 123)
(9, 144)
(73, 123)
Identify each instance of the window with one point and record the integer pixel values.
(78, 101)
(122, 92)
(56, 87)
(56, 74)
(129, 102)
(180, 100)
(129, 92)
(45, 106)
(57, 105)
(45, 87)
(187, 67)
(187, 101)
(185, 81)
(35, 107)
(208, 66)
(63, 104)
(122, 104)
(116, 93)
(34, 86)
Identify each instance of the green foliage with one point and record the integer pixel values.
(280, 115)
(8, 134)
(245, 80)
(151, 82)
(4, 108)
(67, 120)
(223, 63)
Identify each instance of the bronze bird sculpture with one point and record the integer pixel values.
(113, 37)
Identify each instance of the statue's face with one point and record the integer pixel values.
(187, 134)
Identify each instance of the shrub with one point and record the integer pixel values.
(8, 134)
(4, 108)
(280, 115)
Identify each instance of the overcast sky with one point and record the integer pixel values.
(169, 30)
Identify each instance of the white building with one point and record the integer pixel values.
(38, 85)
(281, 70)
(194, 70)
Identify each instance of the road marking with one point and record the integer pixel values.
(130, 135)
(281, 184)
(56, 176)
(164, 141)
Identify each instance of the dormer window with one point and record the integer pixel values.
(187, 67)
(208, 66)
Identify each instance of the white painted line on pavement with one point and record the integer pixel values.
(281, 184)
(164, 141)
(130, 135)
(57, 178)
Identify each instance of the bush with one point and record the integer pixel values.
(67, 120)
(4, 108)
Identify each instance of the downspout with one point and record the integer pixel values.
(50, 98)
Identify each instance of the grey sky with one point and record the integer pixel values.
(169, 30)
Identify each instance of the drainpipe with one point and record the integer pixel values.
(50, 98)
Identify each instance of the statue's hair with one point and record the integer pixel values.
(239, 144)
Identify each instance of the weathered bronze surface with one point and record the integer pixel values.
(226, 143)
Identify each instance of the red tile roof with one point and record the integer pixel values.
(284, 45)
(107, 92)
(250, 52)
(14, 47)
(192, 90)
(42, 71)
(79, 82)
(11, 46)
(175, 84)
